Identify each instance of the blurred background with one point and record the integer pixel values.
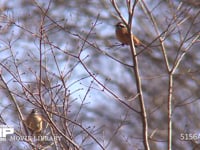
(62, 57)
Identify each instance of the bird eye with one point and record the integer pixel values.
(121, 26)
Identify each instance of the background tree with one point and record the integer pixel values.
(62, 57)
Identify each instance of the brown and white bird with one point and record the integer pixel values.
(123, 35)
(34, 122)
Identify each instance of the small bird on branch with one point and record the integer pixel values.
(34, 122)
(122, 35)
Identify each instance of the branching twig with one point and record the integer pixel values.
(136, 69)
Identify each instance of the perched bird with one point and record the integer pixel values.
(123, 35)
(34, 122)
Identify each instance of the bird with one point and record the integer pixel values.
(34, 122)
(122, 35)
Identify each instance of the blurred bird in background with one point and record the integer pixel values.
(34, 122)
